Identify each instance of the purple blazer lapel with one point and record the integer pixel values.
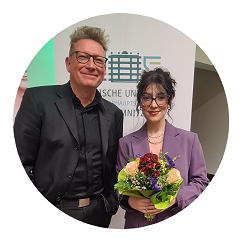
(171, 142)
(140, 143)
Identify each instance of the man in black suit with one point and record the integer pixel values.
(67, 135)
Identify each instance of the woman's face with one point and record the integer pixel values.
(154, 113)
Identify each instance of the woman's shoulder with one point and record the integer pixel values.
(128, 136)
(186, 132)
(135, 135)
(182, 133)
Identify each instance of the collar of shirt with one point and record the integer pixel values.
(97, 101)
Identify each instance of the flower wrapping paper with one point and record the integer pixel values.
(150, 176)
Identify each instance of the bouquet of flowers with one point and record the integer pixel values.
(150, 176)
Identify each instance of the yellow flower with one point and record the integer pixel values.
(137, 161)
(162, 163)
(174, 176)
(131, 168)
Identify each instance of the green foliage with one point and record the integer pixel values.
(122, 185)
(150, 180)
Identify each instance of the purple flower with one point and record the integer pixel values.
(138, 156)
(154, 184)
(171, 163)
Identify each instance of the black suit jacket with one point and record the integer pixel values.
(47, 141)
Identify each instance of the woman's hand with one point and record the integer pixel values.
(156, 211)
(145, 205)
(141, 204)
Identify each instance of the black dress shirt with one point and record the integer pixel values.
(87, 178)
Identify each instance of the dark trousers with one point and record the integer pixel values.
(95, 213)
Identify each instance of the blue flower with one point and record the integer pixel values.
(154, 184)
(171, 163)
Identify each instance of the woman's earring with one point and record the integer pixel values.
(170, 107)
(172, 104)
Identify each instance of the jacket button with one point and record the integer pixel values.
(69, 175)
(58, 199)
(77, 147)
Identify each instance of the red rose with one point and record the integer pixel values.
(155, 174)
(157, 165)
(151, 157)
(144, 170)
(143, 160)
(149, 165)
(154, 158)
(148, 156)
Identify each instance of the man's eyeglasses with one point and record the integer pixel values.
(160, 100)
(83, 58)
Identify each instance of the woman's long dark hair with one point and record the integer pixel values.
(161, 78)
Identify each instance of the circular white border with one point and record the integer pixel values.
(27, 26)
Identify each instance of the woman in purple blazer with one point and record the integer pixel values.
(154, 95)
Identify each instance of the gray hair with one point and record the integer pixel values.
(87, 32)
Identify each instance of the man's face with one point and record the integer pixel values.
(85, 75)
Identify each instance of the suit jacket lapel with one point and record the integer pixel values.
(140, 143)
(66, 108)
(171, 142)
(105, 124)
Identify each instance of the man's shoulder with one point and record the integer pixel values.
(45, 92)
(43, 89)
